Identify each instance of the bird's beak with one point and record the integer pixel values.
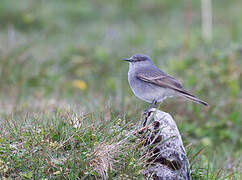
(127, 59)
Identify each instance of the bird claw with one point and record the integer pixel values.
(151, 106)
(146, 112)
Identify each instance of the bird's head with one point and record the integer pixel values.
(138, 60)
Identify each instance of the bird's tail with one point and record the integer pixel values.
(195, 99)
(192, 98)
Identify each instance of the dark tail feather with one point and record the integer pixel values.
(195, 99)
(192, 98)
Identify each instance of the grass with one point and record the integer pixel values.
(59, 143)
(59, 62)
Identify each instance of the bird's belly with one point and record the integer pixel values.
(149, 92)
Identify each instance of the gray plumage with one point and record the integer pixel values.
(151, 84)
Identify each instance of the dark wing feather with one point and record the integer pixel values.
(161, 79)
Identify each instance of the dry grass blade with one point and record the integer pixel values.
(102, 158)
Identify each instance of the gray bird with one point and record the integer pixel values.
(151, 84)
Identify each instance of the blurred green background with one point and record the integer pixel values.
(71, 51)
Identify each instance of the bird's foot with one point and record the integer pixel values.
(147, 111)
(153, 104)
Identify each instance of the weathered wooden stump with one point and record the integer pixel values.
(166, 155)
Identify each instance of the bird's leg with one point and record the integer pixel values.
(153, 104)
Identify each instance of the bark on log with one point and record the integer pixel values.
(167, 159)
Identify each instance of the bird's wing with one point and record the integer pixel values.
(161, 79)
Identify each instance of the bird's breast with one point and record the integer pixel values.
(144, 90)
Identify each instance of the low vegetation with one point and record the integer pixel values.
(65, 106)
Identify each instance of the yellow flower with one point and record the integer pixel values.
(79, 84)
(131, 124)
(1, 162)
(3, 166)
(54, 144)
(5, 169)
